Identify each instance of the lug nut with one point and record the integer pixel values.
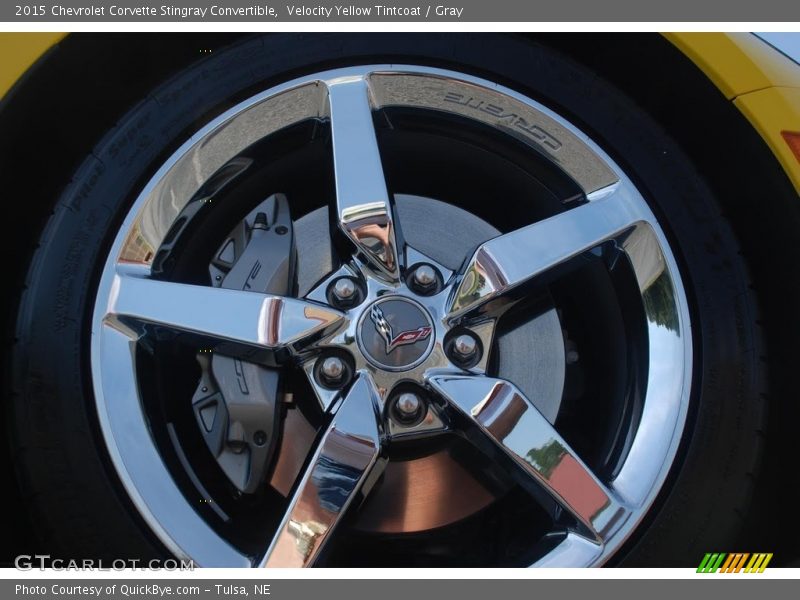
(408, 404)
(344, 288)
(424, 275)
(465, 346)
(344, 292)
(408, 409)
(424, 279)
(464, 350)
(332, 369)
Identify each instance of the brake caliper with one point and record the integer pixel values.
(237, 403)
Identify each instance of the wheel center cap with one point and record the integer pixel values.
(395, 333)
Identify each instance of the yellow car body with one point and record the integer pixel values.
(761, 82)
(19, 51)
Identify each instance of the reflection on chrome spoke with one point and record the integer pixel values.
(364, 208)
(346, 463)
(512, 424)
(508, 261)
(230, 320)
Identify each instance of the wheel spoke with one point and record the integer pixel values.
(363, 207)
(345, 465)
(501, 418)
(233, 321)
(508, 261)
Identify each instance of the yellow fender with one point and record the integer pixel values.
(762, 83)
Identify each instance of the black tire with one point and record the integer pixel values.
(76, 501)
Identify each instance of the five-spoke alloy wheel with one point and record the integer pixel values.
(395, 345)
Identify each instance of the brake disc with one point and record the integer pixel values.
(237, 403)
(436, 490)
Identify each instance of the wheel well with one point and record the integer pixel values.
(62, 107)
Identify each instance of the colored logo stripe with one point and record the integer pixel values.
(758, 563)
(734, 562)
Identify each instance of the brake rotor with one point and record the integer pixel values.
(434, 490)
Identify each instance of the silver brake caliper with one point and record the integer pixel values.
(237, 403)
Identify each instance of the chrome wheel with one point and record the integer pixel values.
(404, 337)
